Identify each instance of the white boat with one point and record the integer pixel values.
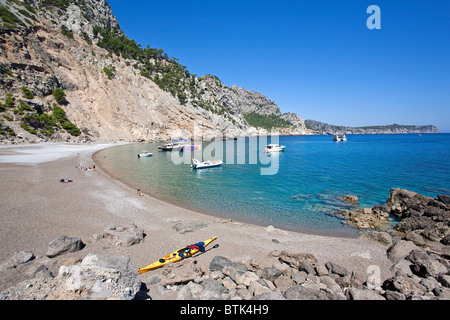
(337, 137)
(170, 147)
(206, 164)
(144, 153)
(274, 148)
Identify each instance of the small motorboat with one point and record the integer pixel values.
(170, 147)
(144, 154)
(338, 137)
(206, 164)
(274, 148)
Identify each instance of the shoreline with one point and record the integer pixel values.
(165, 198)
(37, 208)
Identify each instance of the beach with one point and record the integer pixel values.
(37, 208)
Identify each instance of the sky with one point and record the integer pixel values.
(318, 58)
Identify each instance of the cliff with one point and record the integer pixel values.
(112, 89)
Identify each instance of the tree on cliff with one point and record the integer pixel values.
(59, 96)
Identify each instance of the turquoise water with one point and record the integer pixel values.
(303, 193)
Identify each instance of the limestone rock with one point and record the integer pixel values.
(63, 244)
(124, 235)
(16, 259)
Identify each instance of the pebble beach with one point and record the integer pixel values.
(36, 208)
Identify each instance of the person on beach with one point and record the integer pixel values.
(139, 193)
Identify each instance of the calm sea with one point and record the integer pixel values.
(302, 191)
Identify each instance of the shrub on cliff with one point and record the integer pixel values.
(9, 101)
(265, 121)
(8, 18)
(59, 95)
(27, 94)
(60, 116)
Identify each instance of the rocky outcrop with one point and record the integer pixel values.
(420, 218)
(417, 244)
(420, 272)
(96, 277)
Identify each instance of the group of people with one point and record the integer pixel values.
(85, 168)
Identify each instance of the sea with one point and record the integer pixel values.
(298, 189)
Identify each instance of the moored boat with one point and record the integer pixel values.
(144, 154)
(170, 147)
(338, 137)
(206, 164)
(274, 148)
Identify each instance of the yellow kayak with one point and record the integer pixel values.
(178, 255)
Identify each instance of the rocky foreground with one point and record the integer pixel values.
(417, 246)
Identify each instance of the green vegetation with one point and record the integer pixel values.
(8, 18)
(110, 71)
(85, 36)
(59, 115)
(65, 31)
(44, 122)
(59, 96)
(28, 14)
(62, 4)
(9, 101)
(27, 94)
(266, 121)
(152, 63)
(35, 122)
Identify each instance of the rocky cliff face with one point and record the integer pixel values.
(50, 44)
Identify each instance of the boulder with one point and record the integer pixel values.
(283, 283)
(444, 279)
(379, 236)
(404, 285)
(425, 265)
(363, 294)
(180, 273)
(16, 259)
(414, 223)
(336, 269)
(295, 259)
(350, 199)
(446, 240)
(400, 250)
(219, 262)
(213, 285)
(100, 277)
(271, 273)
(401, 200)
(63, 244)
(124, 235)
(297, 292)
(273, 295)
(444, 198)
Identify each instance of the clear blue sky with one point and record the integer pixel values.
(315, 58)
